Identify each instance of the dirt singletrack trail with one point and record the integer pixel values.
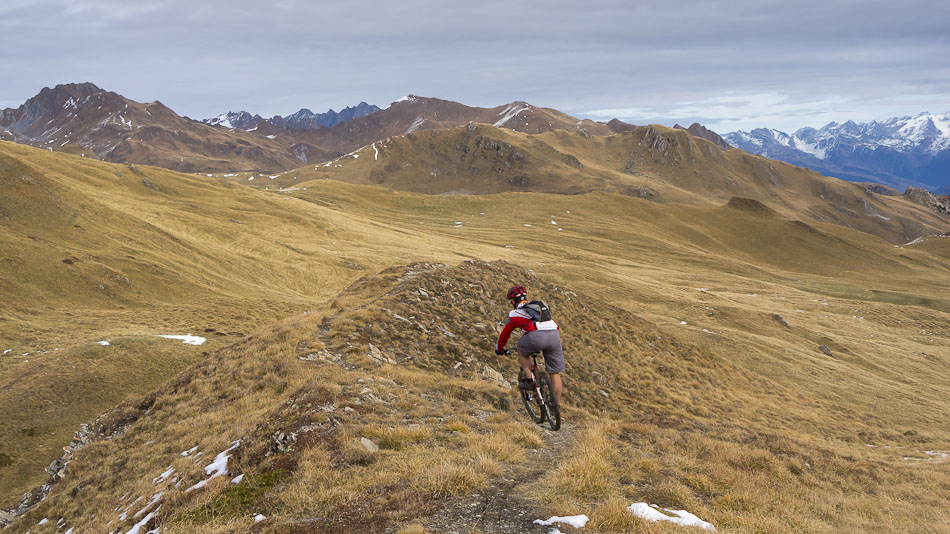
(507, 505)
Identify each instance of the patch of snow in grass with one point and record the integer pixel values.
(682, 322)
(237, 479)
(375, 152)
(154, 500)
(272, 136)
(135, 528)
(7, 351)
(576, 521)
(651, 512)
(43, 521)
(259, 517)
(104, 343)
(528, 225)
(216, 468)
(189, 451)
(164, 476)
(188, 339)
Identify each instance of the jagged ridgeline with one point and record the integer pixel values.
(379, 409)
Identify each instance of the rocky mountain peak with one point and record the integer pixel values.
(701, 131)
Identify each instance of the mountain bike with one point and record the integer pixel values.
(540, 402)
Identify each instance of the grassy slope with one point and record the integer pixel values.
(651, 162)
(680, 425)
(645, 257)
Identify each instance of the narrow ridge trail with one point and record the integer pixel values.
(507, 504)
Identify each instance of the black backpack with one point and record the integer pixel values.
(538, 311)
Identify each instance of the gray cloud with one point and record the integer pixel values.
(726, 64)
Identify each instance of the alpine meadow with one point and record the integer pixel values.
(276, 322)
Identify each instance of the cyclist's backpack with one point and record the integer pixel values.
(538, 311)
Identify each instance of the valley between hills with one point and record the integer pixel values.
(746, 340)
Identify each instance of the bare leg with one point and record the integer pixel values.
(525, 364)
(556, 386)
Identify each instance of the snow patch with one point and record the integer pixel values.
(576, 521)
(651, 512)
(138, 526)
(415, 124)
(511, 112)
(218, 467)
(187, 339)
(104, 343)
(164, 476)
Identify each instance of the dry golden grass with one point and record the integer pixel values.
(732, 416)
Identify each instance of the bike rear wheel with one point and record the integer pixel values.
(549, 406)
(531, 404)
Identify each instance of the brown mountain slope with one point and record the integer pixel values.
(84, 119)
(653, 162)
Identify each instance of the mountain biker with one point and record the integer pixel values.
(535, 336)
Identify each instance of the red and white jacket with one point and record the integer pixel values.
(519, 318)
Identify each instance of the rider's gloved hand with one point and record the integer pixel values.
(501, 351)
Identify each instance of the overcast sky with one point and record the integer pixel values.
(726, 64)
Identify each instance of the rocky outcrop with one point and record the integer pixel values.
(56, 470)
(939, 204)
(699, 130)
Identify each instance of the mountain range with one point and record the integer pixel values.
(84, 119)
(898, 152)
(304, 118)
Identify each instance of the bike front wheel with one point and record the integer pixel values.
(549, 404)
(532, 405)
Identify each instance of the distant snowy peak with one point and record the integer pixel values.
(303, 119)
(231, 119)
(926, 132)
(412, 99)
(898, 152)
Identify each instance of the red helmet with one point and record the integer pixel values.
(517, 292)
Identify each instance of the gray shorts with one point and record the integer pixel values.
(549, 343)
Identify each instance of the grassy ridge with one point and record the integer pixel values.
(208, 254)
(659, 419)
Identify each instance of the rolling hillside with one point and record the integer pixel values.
(652, 162)
(724, 358)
